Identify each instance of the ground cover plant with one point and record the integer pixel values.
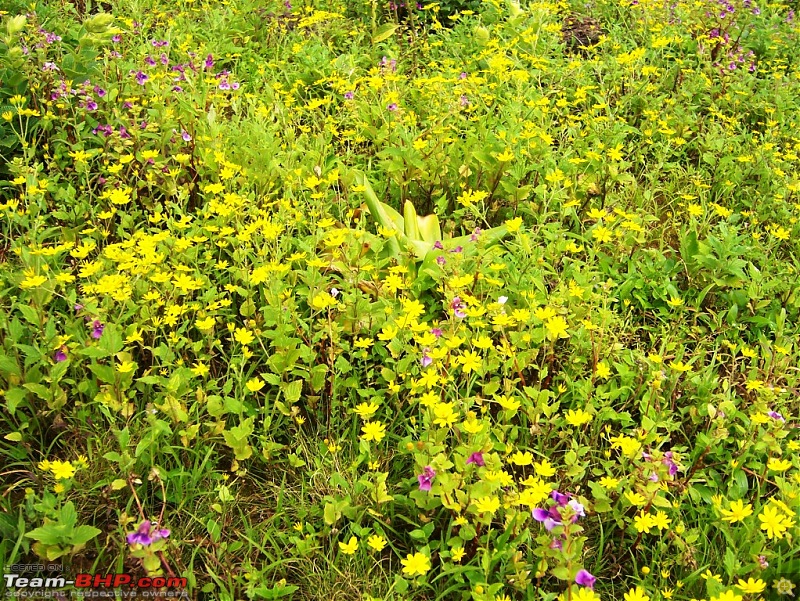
(366, 300)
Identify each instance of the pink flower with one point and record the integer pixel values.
(426, 478)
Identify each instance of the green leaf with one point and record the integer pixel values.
(214, 529)
(400, 584)
(384, 32)
(292, 390)
(47, 535)
(111, 340)
(14, 396)
(30, 314)
(83, 534)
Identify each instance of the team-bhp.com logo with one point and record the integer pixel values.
(89, 585)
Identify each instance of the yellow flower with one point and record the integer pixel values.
(752, 587)
(776, 464)
(488, 504)
(243, 336)
(457, 554)
(349, 547)
(512, 225)
(417, 564)
(544, 313)
(200, 369)
(661, 521)
(578, 418)
(643, 522)
(373, 431)
(609, 482)
(556, 327)
(583, 594)
(205, 324)
(520, 458)
(544, 469)
(366, 410)
(708, 574)
(470, 361)
(726, 596)
(773, 522)
(634, 498)
(637, 594)
(33, 281)
(737, 512)
(126, 367)
(62, 470)
(387, 333)
(376, 542)
(445, 415)
(255, 384)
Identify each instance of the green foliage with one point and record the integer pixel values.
(558, 335)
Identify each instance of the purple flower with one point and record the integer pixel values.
(463, 75)
(440, 260)
(209, 62)
(776, 415)
(653, 477)
(458, 308)
(559, 498)
(150, 61)
(163, 58)
(584, 578)
(426, 478)
(77, 307)
(141, 536)
(348, 95)
(477, 459)
(61, 354)
(457, 249)
(392, 107)
(186, 137)
(762, 561)
(97, 329)
(146, 535)
(334, 292)
(669, 461)
(547, 517)
(426, 358)
(556, 544)
(464, 101)
(438, 245)
(224, 85)
(141, 78)
(436, 332)
(475, 234)
(576, 506)
(91, 105)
